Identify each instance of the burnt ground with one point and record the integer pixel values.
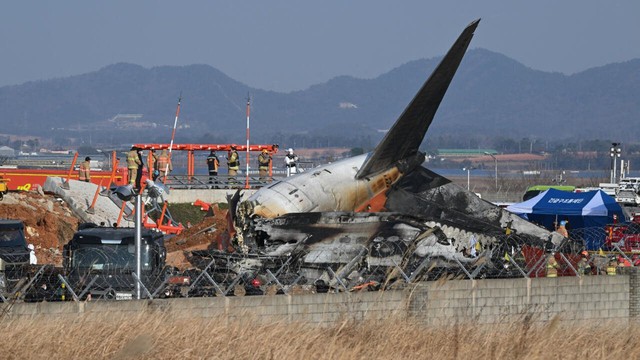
(211, 232)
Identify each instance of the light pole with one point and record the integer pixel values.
(495, 161)
(468, 170)
(614, 152)
(126, 193)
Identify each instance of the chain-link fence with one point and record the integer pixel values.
(107, 272)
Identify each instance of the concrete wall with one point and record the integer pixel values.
(434, 303)
(489, 301)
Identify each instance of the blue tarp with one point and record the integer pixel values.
(592, 209)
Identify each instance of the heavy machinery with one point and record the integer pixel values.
(14, 253)
(101, 261)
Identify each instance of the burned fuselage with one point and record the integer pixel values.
(382, 212)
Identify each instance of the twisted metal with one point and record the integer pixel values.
(107, 273)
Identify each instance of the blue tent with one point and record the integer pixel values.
(592, 209)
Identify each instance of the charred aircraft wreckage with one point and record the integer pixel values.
(377, 217)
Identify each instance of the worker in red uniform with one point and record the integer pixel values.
(623, 261)
(84, 171)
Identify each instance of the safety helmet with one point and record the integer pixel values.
(290, 150)
(233, 147)
(30, 247)
(584, 252)
(265, 151)
(563, 223)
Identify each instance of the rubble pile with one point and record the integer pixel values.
(49, 222)
(207, 234)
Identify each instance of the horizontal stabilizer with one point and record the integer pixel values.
(406, 135)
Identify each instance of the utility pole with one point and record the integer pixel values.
(138, 242)
(468, 169)
(173, 136)
(495, 160)
(614, 152)
(246, 185)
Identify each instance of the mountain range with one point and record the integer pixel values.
(491, 95)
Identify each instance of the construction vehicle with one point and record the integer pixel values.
(14, 253)
(98, 263)
(101, 261)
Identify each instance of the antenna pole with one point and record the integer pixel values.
(173, 135)
(246, 185)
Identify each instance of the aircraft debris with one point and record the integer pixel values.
(376, 217)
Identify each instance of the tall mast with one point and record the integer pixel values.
(246, 185)
(173, 135)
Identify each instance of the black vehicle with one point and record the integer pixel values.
(107, 255)
(14, 253)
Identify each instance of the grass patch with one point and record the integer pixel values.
(184, 213)
(162, 336)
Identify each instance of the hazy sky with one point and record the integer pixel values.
(288, 45)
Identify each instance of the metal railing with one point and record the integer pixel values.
(218, 182)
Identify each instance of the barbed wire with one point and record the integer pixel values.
(107, 273)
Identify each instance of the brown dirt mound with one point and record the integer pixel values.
(49, 223)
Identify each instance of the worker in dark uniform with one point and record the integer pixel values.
(213, 163)
(84, 171)
(153, 165)
(140, 168)
(264, 162)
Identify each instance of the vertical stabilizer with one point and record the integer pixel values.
(406, 135)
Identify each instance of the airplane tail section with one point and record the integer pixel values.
(406, 135)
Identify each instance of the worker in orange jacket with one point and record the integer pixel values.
(562, 229)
